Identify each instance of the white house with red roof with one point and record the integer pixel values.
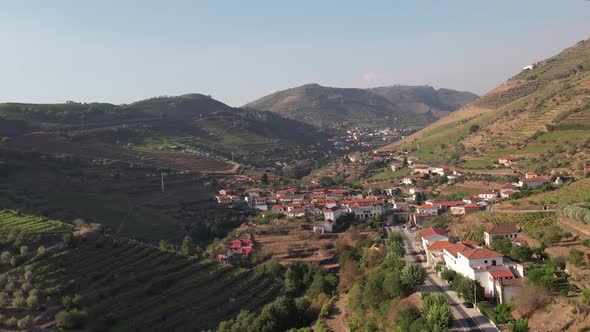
(422, 169)
(488, 195)
(476, 264)
(507, 160)
(532, 183)
(409, 179)
(278, 208)
(432, 235)
(332, 213)
(502, 231)
(427, 208)
(530, 175)
(434, 252)
(440, 170)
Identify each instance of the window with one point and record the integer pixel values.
(494, 262)
(485, 262)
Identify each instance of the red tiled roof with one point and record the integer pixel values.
(470, 243)
(536, 179)
(456, 248)
(503, 229)
(472, 206)
(440, 245)
(427, 207)
(502, 274)
(481, 253)
(453, 203)
(430, 232)
(508, 158)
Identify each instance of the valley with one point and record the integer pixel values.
(315, 208)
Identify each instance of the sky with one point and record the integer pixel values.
(120, 51)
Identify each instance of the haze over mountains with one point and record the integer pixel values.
(398, 106)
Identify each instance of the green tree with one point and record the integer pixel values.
(374, 294)
(25, 322)
(522, 253)
(392, 284)
(413, 275)
(5, 257)
(66, 302)
(437, 311)
(33, 301)
(70, 241)
(188, 246)
(71, 319)
(406, 317)
(18, 301)
(502, 245)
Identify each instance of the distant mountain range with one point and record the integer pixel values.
(397, 106)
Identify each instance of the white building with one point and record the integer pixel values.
(332, 213)
(487, 195)
(532, 183)
(432, 235)
(502, 231)
(427, 208)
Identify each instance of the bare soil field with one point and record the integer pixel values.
(293, 243)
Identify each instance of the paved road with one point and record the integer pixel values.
(466, 319)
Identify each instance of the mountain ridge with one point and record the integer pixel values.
(540, 115)
(396, 105)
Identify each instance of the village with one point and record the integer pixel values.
(408, 205)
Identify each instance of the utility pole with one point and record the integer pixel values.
(474, 294)
(162, 177)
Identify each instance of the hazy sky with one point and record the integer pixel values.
(121, 51)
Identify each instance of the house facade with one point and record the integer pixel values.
(502, 231)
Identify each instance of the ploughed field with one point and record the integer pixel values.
(56, 145)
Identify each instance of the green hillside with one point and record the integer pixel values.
(541, 116)
(129, 285)
(396, 106)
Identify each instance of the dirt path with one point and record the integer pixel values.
(575, 227)
(338, 321)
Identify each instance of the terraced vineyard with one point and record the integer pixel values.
(13, 221)
(134, 286)
(538, 225)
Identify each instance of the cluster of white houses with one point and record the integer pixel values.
(500, 277)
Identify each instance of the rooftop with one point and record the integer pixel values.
(503, 229)
(430, 232)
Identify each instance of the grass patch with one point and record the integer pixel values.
(477, 164)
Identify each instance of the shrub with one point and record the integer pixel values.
(71, 319)
(18, 301)
(25, 322)
(12, 321)
(521, 325)
(33, 301)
